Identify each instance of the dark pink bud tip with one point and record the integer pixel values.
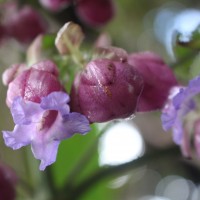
(106, 90)
(32, 84)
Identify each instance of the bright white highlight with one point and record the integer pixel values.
(120, 144)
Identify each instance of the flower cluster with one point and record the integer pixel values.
(40, 111)
(111, 84)
(93, 13)
(22, 24)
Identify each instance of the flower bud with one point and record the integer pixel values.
(25, 24)
(10, 73)
(104, 40)
(106, 90)
(69, 35)
(8, 181)
(95, 13)
(34, 52)
(158, 80)
(34, 83)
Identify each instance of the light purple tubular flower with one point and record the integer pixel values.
(43, 126)
(181, 104)
(55, 5)
(24, 24)
(158, 80)
(106, 90)
(95, 13)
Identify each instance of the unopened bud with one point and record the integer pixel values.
(158, 80)
(106, 90)
(33, 84)
(69, 35)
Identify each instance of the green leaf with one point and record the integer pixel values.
(99, 192)
(195, 67)
(69, 154)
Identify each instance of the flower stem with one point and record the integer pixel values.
(85, 159)
(105, 172)
(75, 53)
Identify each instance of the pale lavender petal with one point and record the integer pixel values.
(178, 131)
(25, 112)
(45, 150)
(167, 120)
(74, 123)
(56, 101)
(179, 106)
(20, 136)
(66, 126)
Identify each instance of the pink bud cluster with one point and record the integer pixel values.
(22, 24)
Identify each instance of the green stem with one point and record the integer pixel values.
(75, 53)
(84, 160)
(184, 58)
(106, 172)
(50, 182)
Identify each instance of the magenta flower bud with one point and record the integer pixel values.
(25, 24)
(158, 80)
(34, 83)
(95, 13)
(55, 5)
(8, 180)
(106, 90)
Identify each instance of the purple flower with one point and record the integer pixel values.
(177, 107)
(43, 125)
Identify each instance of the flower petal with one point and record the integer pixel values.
(45, 150)
(73, 123)
(20, 136)
(56, 101)
(66, 126)
(25, 112)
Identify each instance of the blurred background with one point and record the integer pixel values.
(138, 25)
